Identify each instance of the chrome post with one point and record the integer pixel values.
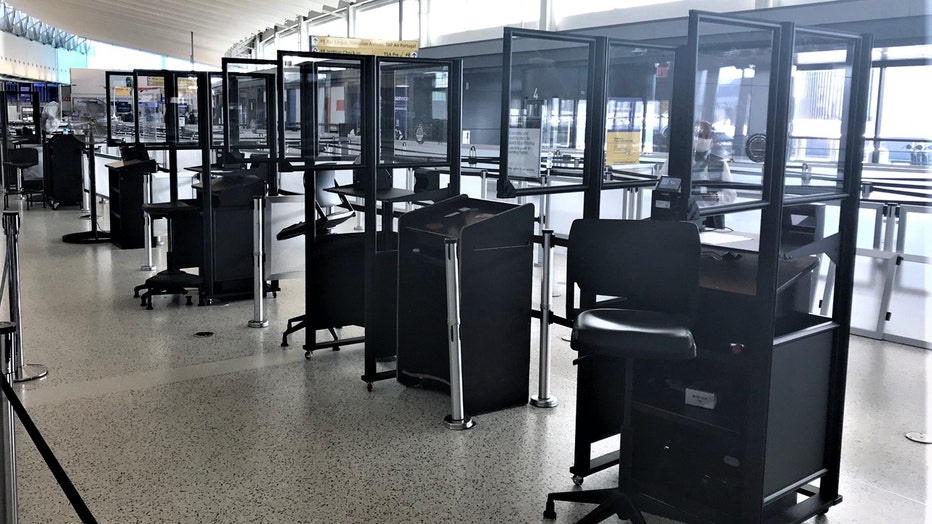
(9, 503)
(638, 204)
(483, 190)
(258, 277)
(409, 185)
(21, 372)
(359, 226)
(457, 419)
(147, 199)
(544, 399)
(544, 216)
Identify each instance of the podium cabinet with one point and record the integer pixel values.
(63, 169)
(495, 257)
(127, 223)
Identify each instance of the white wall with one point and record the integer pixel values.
(28, 59)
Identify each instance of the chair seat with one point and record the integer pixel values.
(20, 165)
(628, 333)
(169, 209)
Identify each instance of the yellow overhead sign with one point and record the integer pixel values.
(364, 46)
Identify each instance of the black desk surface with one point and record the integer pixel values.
(740, 276)
(214, 170)
(383, 195)
(139, 164)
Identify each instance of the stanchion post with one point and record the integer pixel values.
(21, 371)
(258, 278)
(9, 509)
(147, 199)
(483, 189)
(457, 419)
(544, 399)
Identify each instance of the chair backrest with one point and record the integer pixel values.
(339, 207)
(653, 265)
(25, 156)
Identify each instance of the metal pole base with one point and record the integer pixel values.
(147, 268)
(920, 437)
(459, 425)
(213, 301)
(258, 323)
(86, 237)
(549, 402)
(30, 372)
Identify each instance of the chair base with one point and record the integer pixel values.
(612, 501)
(169, 282)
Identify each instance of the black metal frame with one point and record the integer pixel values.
(595, 118)
(758, 499)
(377, 245)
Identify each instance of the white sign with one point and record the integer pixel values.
(523, 152)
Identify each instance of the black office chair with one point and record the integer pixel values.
(650, 271)
(185, 236)
(23, 158)
(332, 210)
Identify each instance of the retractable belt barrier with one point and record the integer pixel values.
(12, 369)
(80, 508)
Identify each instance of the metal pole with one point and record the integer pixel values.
(147, 199)
(890, 266)
(21, 372)
(258, 277)
(544, 399)
(484, 190)
(458, 419)
(9, 502)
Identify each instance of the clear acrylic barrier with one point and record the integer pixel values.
(550, 77)
(121, 117)
(820, 95)
(734, 72)
(327, 129)
(151, 108)
(414, 108)
(638, 99)
(188, 113)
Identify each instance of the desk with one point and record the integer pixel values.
(697, 438)
(389, 197)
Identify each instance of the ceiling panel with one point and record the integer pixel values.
(165, 26)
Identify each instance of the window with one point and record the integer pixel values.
(334, 26)
(378, 22)
(455, 16)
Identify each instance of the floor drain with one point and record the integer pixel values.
(204, 334)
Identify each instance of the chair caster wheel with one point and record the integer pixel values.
(369, 387)
(307, 355)
(578, 480)
(550, 514)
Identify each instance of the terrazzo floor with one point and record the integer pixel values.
(156, 425)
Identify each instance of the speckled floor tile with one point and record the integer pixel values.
(155, 425)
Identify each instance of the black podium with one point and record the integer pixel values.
(232, 264)
(62, 170)
(127, 223)
(495, 255)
